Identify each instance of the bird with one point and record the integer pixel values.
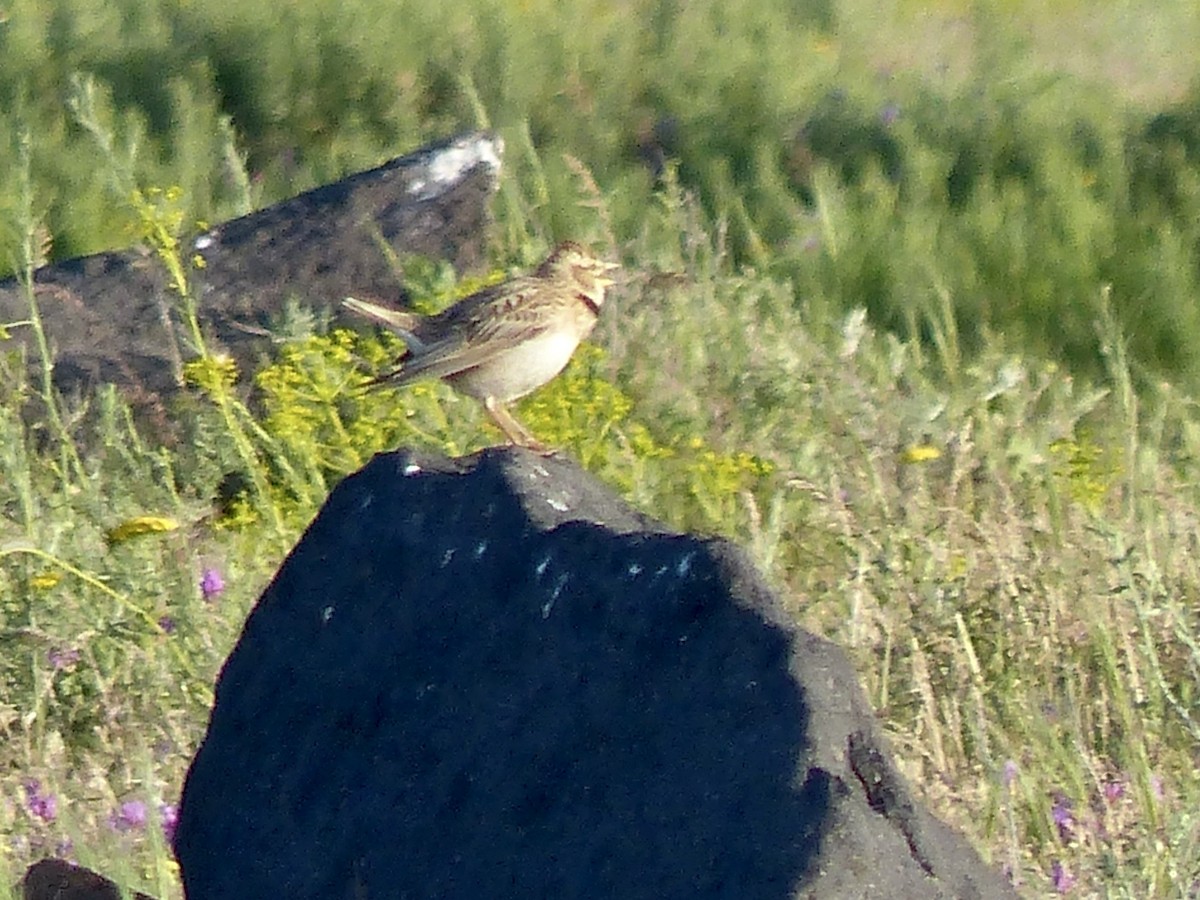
(505, 341)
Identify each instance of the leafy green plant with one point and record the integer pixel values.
(861, 336)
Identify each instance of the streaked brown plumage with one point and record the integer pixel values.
(505, 341)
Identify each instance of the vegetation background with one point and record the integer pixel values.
(912, 314)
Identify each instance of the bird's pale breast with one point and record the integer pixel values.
(519, 370)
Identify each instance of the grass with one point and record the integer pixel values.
(915, 327)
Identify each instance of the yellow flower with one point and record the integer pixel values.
(213, 374)
(138, 526)
(45, 580)
(920, 453)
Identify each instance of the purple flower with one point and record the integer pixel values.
(1062, 879)
(211, 584)
(41, 805)
(1010, 772)
(889, 114)
(63, 659)
(167, 624)
(1114, 790)
(1061, 813)
(130, 817)
(168, 816)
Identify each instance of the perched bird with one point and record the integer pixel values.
(505, 341)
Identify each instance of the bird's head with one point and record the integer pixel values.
(579, 268)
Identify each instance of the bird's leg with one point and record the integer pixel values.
(516, 433)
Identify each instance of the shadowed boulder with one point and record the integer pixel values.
(57, 879)
(489, 677)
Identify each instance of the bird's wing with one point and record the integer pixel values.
(475, 331)
(460, 353)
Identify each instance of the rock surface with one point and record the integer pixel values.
(489, 677)
(110, 318)
(57, 879)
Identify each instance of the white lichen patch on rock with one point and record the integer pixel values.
(450, 165)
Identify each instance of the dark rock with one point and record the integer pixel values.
(112, 319)
(57, 879)
(491, 678)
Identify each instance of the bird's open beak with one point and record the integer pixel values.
(608, 267)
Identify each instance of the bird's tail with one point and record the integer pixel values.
(397, 320)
